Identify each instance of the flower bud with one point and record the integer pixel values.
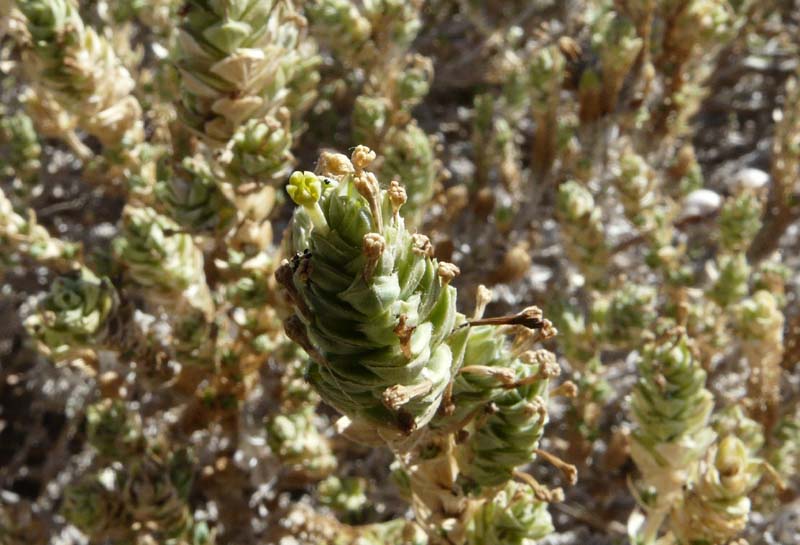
(155, 252)
(513, 517)
(351, 319)
(238, 61)
(192, 198)
(74, 316)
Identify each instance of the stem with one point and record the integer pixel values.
(317, 218)
(779, 217)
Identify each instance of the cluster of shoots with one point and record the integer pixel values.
(461, 402)
(284, 350)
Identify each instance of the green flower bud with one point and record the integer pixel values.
(662, 255)
(732, 273)
(201, 534)
(708, 22)
(113, 430)
(759, 317)
(155, 253)
(785, 455)
(717, 508)
(370, 117)
(594, 391)
(614, 38)
(772, 276)
(636, 185)
(582, 226)
(296, 441)
(74, 316)
(739, 221)
(20, 156)
(259, 152)
(513, 517)
(577, 341)
(575, 203)
(545, 76)
(346, 495)
(759, 322)
(409, 158)
(507, 436)
(516, 91)
(249, 291)
(156, 14)
(733, 421)
(365, 34)
(399, 20)
(24, 235)
(237, 60)
(192, 338)
(413, 81)
(303, 88)
(339, 25)
(631, 311)
(81, 69)
(373, 309)
(705, 322)
(670, 407)
(472, 390)
(669, 401)
(191, 197)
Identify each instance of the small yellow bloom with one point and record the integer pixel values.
(304, 188)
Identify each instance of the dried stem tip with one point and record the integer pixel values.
(569, 471)
(362, 157)
(421, 245)
(447, 271)
(404, 332)
(505, 375)
(398, 395)
(535, 407)
(397, 196)
(530, 317)
(368, 187)
(546, 362)
(567, 389)
(541, 492)
(373, 246)
(482, 298)
(335, 165)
